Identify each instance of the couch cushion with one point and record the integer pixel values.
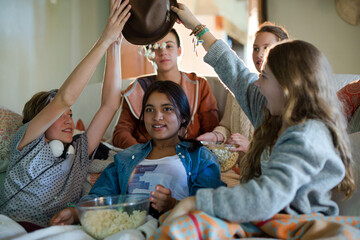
(351, 207)
(354, 124)
(340, 80)
(349, 95)
(9, 124)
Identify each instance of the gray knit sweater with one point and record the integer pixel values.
(296, 178)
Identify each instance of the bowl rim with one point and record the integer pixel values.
(142, 200)
(217, 144)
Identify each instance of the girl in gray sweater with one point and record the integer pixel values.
(299, 152)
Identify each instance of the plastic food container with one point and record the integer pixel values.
(104, 216)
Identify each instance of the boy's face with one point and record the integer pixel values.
(62, 129)
(166, 58)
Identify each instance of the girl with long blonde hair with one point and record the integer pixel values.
(299, 152)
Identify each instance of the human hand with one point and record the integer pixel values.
(120, 37)
(161, 199)
(119, 14)
(185, 16)
(66, 216)
(184, 207)
(241, 141)
(209, 137)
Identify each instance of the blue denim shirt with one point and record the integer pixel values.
(202, 168)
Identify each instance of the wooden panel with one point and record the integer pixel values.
(132, 63)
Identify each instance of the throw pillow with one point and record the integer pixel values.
(350, 97)
(9, 124)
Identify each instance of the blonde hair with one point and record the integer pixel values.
(305, 74)
(37, 103)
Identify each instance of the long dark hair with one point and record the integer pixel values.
(177, 98)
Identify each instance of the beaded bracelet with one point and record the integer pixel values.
(205, 30)
(198, 28)
(198, 31)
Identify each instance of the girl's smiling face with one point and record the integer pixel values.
(160, 118)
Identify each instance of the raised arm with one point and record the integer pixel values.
(230, 68)
(76, 82)
(110, 97)
(190, 21)
(111, 89)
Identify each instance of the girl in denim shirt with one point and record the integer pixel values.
(166, 167)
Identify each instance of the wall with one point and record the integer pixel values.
(191, 61)
(317, 21)
(133, 64)
(42, 41)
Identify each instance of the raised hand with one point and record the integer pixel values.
(190, 21)
(186, 17)
(161, 199)
(119, 14)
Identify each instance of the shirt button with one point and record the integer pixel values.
(189, 173)
(133, 156)
(178, 146)
(179, 154)
(182, 156)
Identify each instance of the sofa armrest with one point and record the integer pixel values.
(351, 207)
(354, 124)
(340, 80)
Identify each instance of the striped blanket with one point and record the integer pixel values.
(199, 225)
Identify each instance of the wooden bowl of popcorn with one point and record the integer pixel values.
(227, 158)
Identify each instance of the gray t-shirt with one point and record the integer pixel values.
(38, 184)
